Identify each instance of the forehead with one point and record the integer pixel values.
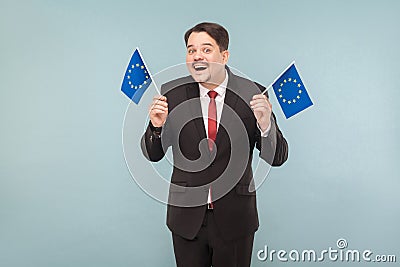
(200, 38)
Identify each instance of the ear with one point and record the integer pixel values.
(225, 56)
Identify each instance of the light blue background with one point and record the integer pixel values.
(66, 195)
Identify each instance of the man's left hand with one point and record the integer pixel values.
(262, 109)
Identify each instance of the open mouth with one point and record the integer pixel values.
(199, 66)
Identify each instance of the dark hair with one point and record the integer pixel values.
(216, 31)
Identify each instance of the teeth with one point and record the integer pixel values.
(200, 67)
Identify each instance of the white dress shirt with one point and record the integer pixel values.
(219, 101)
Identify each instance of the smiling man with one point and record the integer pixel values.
(205, 60)
(212, 120)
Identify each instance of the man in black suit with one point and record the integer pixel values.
(212, 120)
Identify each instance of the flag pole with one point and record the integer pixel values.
(269, 86)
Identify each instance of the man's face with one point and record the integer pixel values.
(206, 63)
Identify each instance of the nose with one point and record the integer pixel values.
(198, 56)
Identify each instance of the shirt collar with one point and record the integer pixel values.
(221, 89)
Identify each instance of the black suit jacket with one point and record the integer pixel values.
(227, 167)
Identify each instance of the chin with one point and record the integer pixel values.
(201, 78)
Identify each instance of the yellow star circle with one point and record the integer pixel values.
(294, 100)
(142, 67)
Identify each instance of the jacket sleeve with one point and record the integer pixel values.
(273, 148)
(151, 145)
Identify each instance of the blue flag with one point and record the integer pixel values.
(291, 92)
(137, 78)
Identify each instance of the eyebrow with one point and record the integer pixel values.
(210, 44)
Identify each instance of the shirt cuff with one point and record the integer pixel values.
(266, 132)
(155, 129)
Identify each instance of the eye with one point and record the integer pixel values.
(207, 50)
(190, 51)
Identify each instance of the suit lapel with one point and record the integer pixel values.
(230, 102)
(193, 94)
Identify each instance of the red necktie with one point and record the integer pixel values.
(212, 119)
(212, 129)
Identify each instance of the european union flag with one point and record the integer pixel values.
(137, 78)
(291, 92)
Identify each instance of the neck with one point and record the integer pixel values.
(210, 86)
(214, 84)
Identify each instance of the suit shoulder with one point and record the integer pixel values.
(245, 82)
(175, 85)
(244, 87)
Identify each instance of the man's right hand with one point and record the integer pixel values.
(158, 110)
